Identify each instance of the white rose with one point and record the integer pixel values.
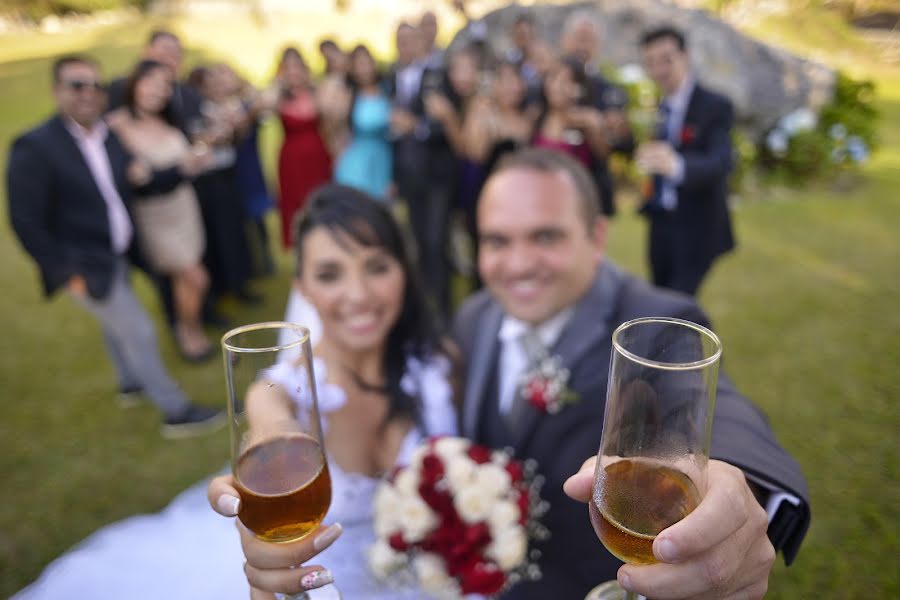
(387, 524)
(504, 514)
(508, 548)
(431, 572)
(407, 482)
(472, 504)
(499, 458)
(415, 458)
(449, 449)
(384, 560)
(416, 519)
(492, 479)
(385, 501)
(460, 472)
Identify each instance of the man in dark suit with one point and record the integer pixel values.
(542, 261)
(68, 183)
(690, 161)
(580, 40)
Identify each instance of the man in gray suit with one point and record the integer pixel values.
(542, 244)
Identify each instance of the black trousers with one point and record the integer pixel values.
(673, 264)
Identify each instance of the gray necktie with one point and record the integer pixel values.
(536, 352)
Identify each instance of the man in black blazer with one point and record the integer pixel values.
(542, 261)
(690, 162)
(68, 184)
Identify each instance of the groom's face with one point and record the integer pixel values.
(537, 254)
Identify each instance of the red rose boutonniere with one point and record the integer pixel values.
(688, 135)
(545, 386)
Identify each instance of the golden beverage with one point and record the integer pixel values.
(634, 501)
(284, 486)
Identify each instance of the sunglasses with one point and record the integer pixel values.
(79, 85)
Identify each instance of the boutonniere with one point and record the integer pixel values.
(688, 134)
(545, 386)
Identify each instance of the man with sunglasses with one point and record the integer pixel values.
(69, 182)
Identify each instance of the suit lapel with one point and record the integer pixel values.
(590, 323)
(484, 349)
(76, 158)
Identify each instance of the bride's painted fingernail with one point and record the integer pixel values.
(316, 579)
(328, 536)
(229, 505)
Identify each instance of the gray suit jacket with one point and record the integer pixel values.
(573, 560)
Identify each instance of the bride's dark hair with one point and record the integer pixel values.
(343, 210)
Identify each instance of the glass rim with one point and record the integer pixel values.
(303, 331)
(671, 366)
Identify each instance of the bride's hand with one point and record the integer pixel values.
(271, 567)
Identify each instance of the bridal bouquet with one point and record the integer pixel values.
(459, 518)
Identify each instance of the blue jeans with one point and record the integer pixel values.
(132, 344)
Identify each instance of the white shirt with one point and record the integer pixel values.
(92, 145)
(678, 105)
(514, 360)
(409, 79)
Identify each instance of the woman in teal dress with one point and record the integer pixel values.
(367, 161)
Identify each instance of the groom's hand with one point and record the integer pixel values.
(720, 550)
(274, 568)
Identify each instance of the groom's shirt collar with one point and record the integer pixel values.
(548, 332)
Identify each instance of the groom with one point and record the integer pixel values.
(542, 246)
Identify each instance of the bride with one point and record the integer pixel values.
(383, 378)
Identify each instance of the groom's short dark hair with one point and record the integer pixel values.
(552, 161)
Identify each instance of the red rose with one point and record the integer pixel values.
(397, 542)
(537, 394)
(523, 505)
(432, 468)
(483, 578)
(688, 134)
(439, 500)
(514, 468)
(479, 454)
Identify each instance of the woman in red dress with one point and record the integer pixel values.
(304, 162)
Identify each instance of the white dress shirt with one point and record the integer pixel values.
(92, 144)
(678, 105)
(514, 360)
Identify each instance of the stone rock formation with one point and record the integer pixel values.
(763, 82)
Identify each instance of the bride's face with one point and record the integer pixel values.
(357, 290)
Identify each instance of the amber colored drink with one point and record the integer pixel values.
(284, 486)
(634, 501)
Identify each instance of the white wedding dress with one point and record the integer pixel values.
(188, 552)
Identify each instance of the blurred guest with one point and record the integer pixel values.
(405, 74)
(304, 162)
(428, 28)
(495, 125)
(581, 41)
(336, 62)
(523, 36)
(333, 99)
(169, 225)
(570, 123)
(690, 160)
(227, 250)
(255, 107)
(367, 162)
(164, 47)
(69, 189)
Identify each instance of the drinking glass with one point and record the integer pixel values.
(654, 449)
(277, 451)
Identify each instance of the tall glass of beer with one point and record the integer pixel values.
(277, 451)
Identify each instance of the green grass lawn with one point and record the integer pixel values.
(806, 307)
